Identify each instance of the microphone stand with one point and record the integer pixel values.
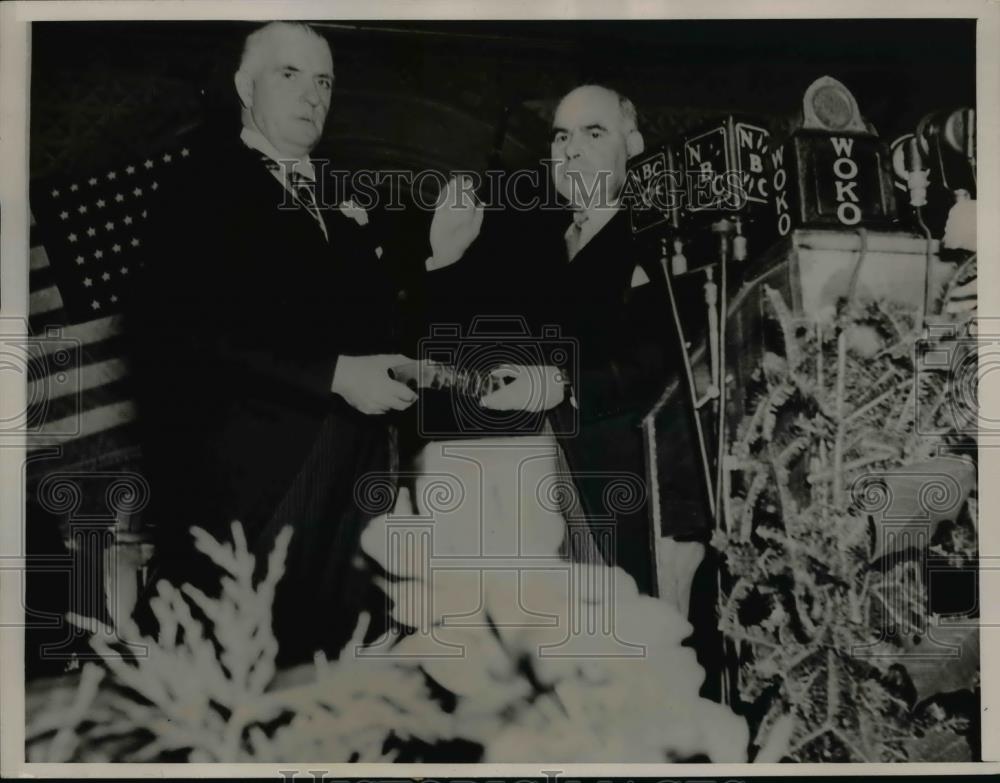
(716, 305)
(717, 319)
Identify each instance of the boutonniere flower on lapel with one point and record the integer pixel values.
(351, 210)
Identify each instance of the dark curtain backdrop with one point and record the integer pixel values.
(432, 93)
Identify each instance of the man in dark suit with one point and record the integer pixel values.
(262, 343)
(580, 269)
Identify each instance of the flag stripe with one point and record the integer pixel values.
(76, 356)
(77, 379)
(41, 324)
(54, 433)
(43, 277)
(44, 301)
(77, 404)
(85, 333)
(114, 447)
(38, 258)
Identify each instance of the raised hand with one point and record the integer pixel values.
(457, 221)
(364, 382)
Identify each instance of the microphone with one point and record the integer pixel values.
(916, 174)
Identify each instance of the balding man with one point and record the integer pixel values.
(262, 343)
(579, 268)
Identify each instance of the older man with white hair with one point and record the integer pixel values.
(262, 345)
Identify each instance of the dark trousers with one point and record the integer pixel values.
(326, 583)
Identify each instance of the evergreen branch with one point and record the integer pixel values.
(757, 486)
(849, 467)
(784, 316)
(876, 401)
(927, 420)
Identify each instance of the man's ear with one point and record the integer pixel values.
(244, 88)
(634, 143)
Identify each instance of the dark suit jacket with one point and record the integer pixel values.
(625, 339)
(617, 339)
(236, 329)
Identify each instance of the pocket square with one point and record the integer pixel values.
(350, 209)
(639, 277)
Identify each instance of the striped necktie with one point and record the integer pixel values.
(305, 191)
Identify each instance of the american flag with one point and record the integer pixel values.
(88, 242)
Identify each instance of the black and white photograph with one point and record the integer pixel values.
(535, 389)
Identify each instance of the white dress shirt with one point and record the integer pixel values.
(586, 223)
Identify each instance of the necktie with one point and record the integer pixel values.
(303, 188)
(305, 191)
(573, 234)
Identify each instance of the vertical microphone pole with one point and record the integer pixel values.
(724, 229)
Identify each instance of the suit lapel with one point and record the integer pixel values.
(608, 236)
(272, 191)
(609, 247)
